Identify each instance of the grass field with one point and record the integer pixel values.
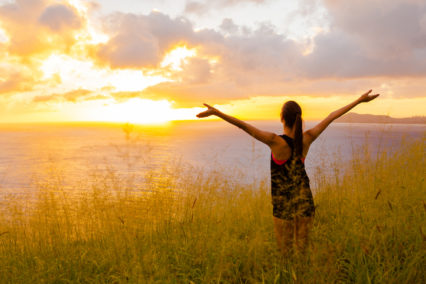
(189, 226)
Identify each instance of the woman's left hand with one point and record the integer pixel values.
(210, 111)
(365, 98)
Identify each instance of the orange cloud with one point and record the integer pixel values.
(15, 77)
(39, 27)
(72, 96)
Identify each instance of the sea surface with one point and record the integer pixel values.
(69, 153)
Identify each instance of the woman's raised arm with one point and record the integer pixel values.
(266, 137)
(314, 132)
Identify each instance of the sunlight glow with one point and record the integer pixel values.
(175, 58)
(3, 36)
(91, 34)
(139, 111)
(80, 5)
(76, 73)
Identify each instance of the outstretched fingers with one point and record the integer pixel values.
(370, 98)
(201, 114)
(367, 93)
(210, 111)
(366, 97)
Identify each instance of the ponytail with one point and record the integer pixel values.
(291, 115)
(298, 136)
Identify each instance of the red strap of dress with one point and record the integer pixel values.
(278, 162)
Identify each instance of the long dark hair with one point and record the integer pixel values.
(291, 115)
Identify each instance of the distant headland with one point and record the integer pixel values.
(371, 118)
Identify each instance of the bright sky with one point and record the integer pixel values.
(155, 61)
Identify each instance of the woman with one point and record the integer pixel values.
(293, 206)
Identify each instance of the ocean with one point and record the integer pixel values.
(68, 153)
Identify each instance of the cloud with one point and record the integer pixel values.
(384, 29)
(142, 40)
(337, 55)
(354, 47)
(15, 77)
(202, 7)
(59, 17)
(71, 96)
(36, 27)
(262, 61)
(370, 38)
(187, 94)
(229, 26)
(197, 71)
(12, 83)
(243, 57)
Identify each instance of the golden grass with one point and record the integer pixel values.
(189, 226)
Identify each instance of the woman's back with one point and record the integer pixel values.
(290, 190)
(283, 151)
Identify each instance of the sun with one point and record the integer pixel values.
(136, 110)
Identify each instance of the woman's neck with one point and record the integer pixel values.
(289, 131)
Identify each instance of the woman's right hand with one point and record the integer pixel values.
(210, 111)
(367, 97)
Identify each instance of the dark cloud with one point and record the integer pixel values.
(142, 40)
(197, 71)
(337, 55)
(366, 47)
(262, 61)
(59, 17)
(386, 29)
(374, 38)
(130, 51)
(229, 26)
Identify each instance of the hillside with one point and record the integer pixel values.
(371, 118)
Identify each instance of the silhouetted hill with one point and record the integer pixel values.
(371, 118)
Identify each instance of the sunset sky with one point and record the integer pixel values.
(152, 61)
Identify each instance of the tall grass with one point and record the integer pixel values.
(189, 226)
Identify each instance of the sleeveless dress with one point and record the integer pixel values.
(291, 194)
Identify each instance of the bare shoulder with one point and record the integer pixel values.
(308, 137)
(278, 140)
